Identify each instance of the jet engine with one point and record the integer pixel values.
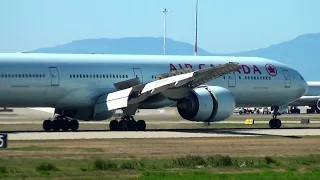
(207, 104)
(318, 104)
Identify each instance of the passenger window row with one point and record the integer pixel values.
(253, 78)
(23, 76)
(98, 76)
(256, 78)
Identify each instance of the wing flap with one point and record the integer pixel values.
(130, 98)
(127, 83)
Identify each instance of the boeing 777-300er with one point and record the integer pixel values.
(92, 87)
(311, 98)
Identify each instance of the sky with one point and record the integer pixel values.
(224, 26)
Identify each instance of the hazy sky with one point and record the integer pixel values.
(224, 25)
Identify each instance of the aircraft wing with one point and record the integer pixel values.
(129, 98)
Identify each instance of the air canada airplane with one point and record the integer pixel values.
(92, 87)
(311, 98)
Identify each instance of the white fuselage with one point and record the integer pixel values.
(76, 80)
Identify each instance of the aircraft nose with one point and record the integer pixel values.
(303, 87)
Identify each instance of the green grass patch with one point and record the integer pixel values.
(265, 175)
(184, 167)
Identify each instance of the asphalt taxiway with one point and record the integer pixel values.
(37, 115)
(161, 134)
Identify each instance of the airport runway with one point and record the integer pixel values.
(162, 134)
(38, 113)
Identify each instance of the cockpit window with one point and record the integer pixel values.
(301, 77)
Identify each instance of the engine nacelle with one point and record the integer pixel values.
(207, 104)
(318, 104)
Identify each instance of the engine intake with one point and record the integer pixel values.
(207, 104)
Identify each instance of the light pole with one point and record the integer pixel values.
(196, 31)
(165, 10)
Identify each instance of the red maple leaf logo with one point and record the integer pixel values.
(271, 69)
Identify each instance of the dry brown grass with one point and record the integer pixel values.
(140, 148)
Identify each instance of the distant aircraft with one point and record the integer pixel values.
(311, 98)
(92, 87)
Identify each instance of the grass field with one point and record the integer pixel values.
(177, 158)
(267, 157)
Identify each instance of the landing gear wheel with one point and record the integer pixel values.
(113, 125)
(123, 126)
(275, 123)
(56, 125)
(141, 125)
(74, 125)
(132, 125)
(65, 125)
(47, 125)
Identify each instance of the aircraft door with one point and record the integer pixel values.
(138, 74)
(54, 74)
(287, 79)
(232, 80)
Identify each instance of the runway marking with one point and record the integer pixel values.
(162, 134)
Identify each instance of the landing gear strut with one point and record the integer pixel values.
(60, 122)
(275, 123)
(127, 123)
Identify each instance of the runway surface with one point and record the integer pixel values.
(162, 134)
(35, 115)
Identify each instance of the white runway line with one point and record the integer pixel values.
(164, 134)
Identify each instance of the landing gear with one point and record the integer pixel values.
(127, 123)
(275, 123)
(60, 122)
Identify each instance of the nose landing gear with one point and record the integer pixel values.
(275, 123)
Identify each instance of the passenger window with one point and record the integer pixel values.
(126, 76)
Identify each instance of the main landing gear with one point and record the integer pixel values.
(127, 123)
(275, 123)
(60, 122)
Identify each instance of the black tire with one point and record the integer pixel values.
(277, 123)
(74, 125)
(132, 125)
(123, 126)
(141, 125)
(47, 125)
(65, 125)
(113, 125)
(56, 125)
